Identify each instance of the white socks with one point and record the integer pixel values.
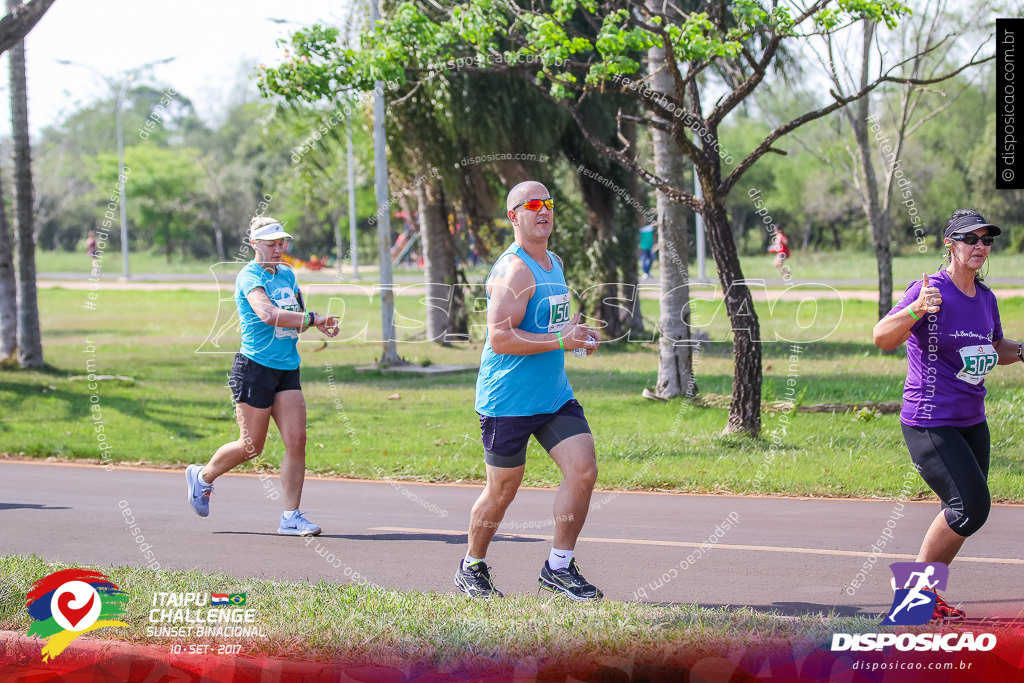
(559, 559)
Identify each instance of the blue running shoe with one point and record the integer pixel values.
(297, 525)
(198, 492)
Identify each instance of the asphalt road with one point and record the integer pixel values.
(795, 556)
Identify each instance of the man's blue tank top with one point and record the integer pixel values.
(510, 385)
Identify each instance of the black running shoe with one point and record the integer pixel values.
(475, 581)
(568, 581)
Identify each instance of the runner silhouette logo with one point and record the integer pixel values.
(916, 584)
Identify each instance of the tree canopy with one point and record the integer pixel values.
(575, 50)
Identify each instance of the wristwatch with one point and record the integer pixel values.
(1020, 352)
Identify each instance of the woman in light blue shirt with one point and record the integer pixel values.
(264, 378)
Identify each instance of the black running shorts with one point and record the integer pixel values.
(505, 438)
(257, 385)
(953, 461)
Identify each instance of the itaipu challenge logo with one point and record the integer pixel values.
(68, 603)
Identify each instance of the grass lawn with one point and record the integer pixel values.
(828, 266)
(364, 623)
(176, 408)
(139, 262)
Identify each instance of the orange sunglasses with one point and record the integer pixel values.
(535, 204)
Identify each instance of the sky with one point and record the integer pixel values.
(215, 43)
(212, 42)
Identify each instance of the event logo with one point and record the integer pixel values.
(184, 615)
(915, 584)
(68, 603)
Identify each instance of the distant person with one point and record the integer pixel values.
(780, 247)
(646, 249)
(264, 379)
(950, 322)
(522, 390)
(92, 246)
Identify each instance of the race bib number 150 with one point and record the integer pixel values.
(978, 362)
(559, 312)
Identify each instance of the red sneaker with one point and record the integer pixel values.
(946, 612)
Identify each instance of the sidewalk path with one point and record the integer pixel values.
(761, 290)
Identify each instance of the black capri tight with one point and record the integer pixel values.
(953, 461)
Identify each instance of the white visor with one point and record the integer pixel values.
(274, 231)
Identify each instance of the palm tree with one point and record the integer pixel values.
(8, 304)
(19, 21)
(13, 28)
(30, 343)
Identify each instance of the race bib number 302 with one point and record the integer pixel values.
(559, 312)
(978, 362)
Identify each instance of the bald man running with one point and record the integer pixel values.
(522, 390)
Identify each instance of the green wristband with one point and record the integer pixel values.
(911, 312)
(561, 344)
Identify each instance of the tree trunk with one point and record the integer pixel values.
(218, 238)
(675, 353)
(9, 299)
(30, 344)
(602, 255)
(880, 221)
(633, 320)
(479, 204)
(745, 408)
(881, 234)
(438, 258)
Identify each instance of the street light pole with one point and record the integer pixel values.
(353, 235)
(126, 78)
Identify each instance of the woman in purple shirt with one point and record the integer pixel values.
(950, 322)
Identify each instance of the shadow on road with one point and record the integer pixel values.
(449, 539)
(31, 506)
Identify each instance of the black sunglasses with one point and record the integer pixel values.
(972, 239)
